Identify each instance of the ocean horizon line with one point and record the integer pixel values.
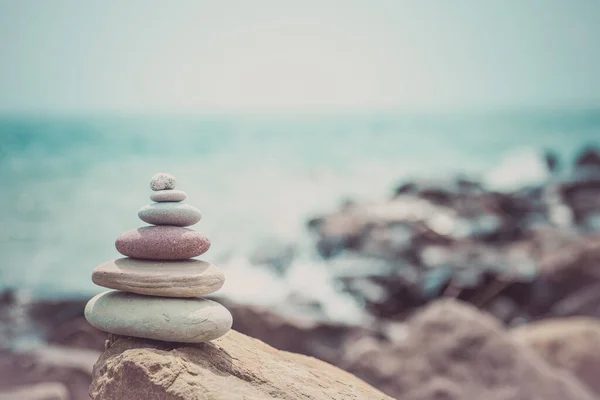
(477, 112)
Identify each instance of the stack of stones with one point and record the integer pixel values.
(159, 284)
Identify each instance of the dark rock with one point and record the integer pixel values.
(453, 238)
(390, 297)
(58, 321)
(422, 213)
(338, 231)
(77, 333)
(582, 195)
(581, 190)
(49, 314)
(552, 161)
(589, 157)
(440, 191)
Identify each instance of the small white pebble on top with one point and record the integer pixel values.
(162, 181)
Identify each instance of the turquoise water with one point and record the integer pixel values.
(71, 185)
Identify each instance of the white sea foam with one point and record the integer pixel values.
(309, 280)
(518, 168)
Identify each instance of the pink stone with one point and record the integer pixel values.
(162, 243)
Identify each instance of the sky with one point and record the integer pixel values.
(308, 56)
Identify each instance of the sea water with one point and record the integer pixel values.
(70, 185)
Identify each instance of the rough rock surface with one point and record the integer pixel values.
(163, 181)
(452, 351)
(568, 343)
(234, 367)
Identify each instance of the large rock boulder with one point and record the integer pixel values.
(232, 367)
(572, 344)
(452, 351)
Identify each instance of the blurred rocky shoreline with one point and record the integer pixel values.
(520, 255)
(524, 257)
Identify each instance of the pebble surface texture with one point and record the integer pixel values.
(162, 181)
(158, 318)
(168, 195)
(233, 367)
(176, 214)
(185, 278)
(162, 243)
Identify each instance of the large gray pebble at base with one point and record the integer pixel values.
(160, 318)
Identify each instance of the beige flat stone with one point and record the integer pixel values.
(182, 278)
